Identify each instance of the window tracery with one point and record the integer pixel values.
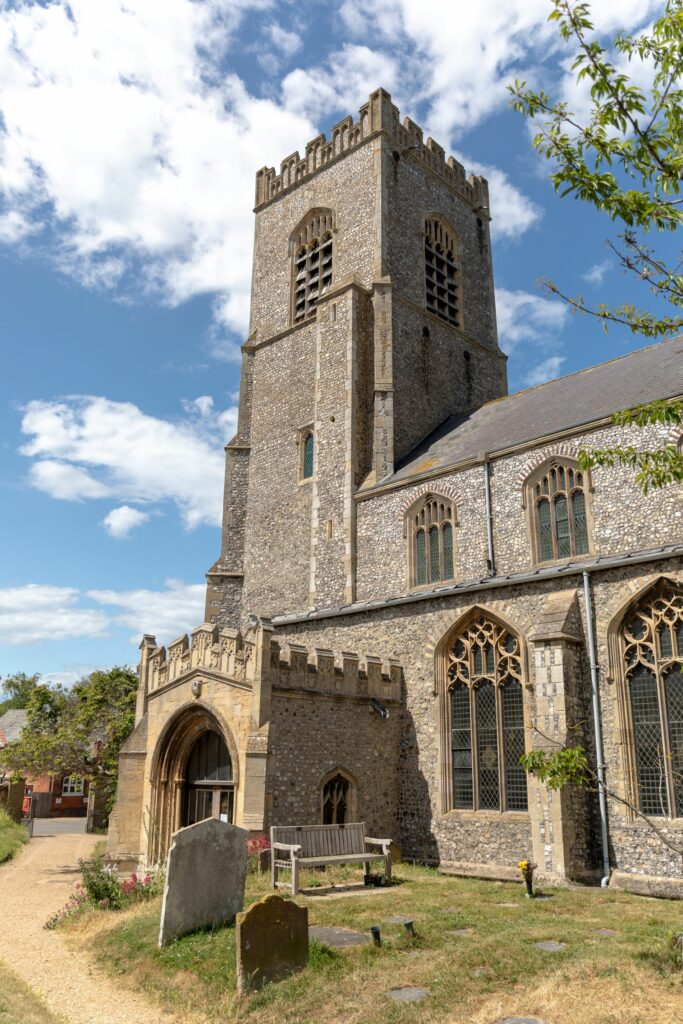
(442, 272)
(557, 496)
(484, 673)
(312, 264)
(336, 800)
(652, 659)
(431, 540)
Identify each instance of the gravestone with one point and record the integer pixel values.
(550, 946)
(272, 942)
(339, 938)
(205, 873)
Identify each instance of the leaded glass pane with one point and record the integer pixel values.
(335, 800)
(648, 742)
(488, 651)
(545, 532)
(562, 527)
(308, 457)
(478, 662)
(434, 573)
(513, 740)
(487, 747)
(679, 638)
(580, 523)
(673, 687)
(448, 552)
(461, 741)
(666, 646)
(420, 558)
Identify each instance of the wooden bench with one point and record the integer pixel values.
(306, 846)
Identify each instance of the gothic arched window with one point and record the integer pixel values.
(430, 533)
(312, 256)
(338, 799)
(652, 653)
(487, 718)
(306, 454)
(442, 272)
(557, 498)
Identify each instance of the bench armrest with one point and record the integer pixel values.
(292, 847)
(384, 843)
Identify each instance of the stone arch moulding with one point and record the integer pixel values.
(320, 218)
(167, 771)
(441, 689)
(625, 781)
(437, 490)
(352, 806)
(565, 450)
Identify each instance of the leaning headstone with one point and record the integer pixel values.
(205, 873)
(272, 942)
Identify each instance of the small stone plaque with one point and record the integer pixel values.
(606, 933)
(397, 920)
(513, 906)
(338, 937)
(550, 946)
(272, 942)
(409, 994)
(461, 933)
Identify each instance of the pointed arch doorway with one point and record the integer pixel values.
(209, 787)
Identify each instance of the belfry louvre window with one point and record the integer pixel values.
(487, 719)
(312, 265)
(557, 495)
(442, 272)
(431, 541)
(652, 652)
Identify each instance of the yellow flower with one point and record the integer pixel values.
(523, 865)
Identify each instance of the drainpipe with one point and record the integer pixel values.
(598, 729)
(490, 561)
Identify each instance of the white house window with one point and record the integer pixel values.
(72, 785)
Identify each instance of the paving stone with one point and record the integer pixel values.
(550, 946)
(606, 933)
(409, 994)
(338, 937)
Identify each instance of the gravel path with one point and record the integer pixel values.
(32, 887)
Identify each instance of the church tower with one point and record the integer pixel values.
(372, 321)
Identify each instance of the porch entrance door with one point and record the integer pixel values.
(209, 788)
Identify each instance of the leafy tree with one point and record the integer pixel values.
(625, 159)
(78, 731)
(17, 690)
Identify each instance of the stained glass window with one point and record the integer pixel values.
(559, 502)
(487, 718)
(431, 537)
(653, 665)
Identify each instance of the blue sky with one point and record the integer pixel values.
(129, 139)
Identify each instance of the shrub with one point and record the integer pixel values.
(255, 848)
(101, 883)
(12, 837)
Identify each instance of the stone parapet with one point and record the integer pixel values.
(378, 115)
(225, 652)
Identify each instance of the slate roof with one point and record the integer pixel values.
(568, 402)
(11, 724)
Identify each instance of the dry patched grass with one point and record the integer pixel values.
(632, 977)
(18, 1004)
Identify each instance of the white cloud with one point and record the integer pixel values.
(524, 317)
(164, 613)
(88, 447)
(120, 521)
(287, 42)
(545, 370)
(340, 84)
(38, 612)
(595, 275)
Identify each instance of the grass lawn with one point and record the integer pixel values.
(18, 1005)
(493, 971)
(12, 838)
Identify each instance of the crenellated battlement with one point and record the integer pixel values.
(378, 116)
(225, 652)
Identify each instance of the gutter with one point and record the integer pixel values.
(597, 722)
